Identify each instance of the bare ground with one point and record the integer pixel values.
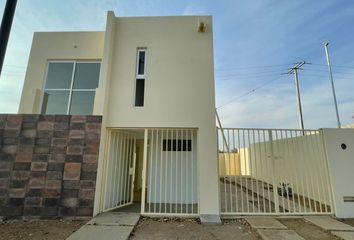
(307, 230)
(187, 229)
(38, 229)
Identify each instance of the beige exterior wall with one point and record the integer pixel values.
(55, 46)
(179, 87)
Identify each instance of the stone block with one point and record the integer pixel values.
(45, 126)
(33, 118)
(16, 202)
(61, 134)
(88, 176)
(87, 184)
(58, 126)
(77, 126)
(46, 118)
(59, 150)
(5, 174)
(39, 166)
(95, 119)
(13, 121)
(59, 142)
(11, 133)
(21, 166)
(87, 193)
(53, 166)
(26, 149)
(11, 212)
(85, 212)
(57, 157)
(90, 158)
(36, 183)
(74, 158)
(10, 141)
(78, 118)
(4, 193)
(51, 193)
(71, 184)
(89, 167)
(76, 141)
(6, 166)
(75, 150)
(4, 183)
(23, 157)
(51, 202)
(70, 193)
(72, 171)
(41, 149)
(29, 125)
(9, 149)
(33, 201)
(53, 184)
(31, 211)
(62, 118)
(34, 192)
(77, 134)
(40, 157)
(43, 141)
(54, 175)
(86, 203)
(70, 202)
(44, 134)
(18, 184)
(66, 212)
(29, 133)
(20, 175)
(17, 192)
(27, 141)
(91, 148)
(49, 212)
(7, 157)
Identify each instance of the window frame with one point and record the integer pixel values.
(140, 77)
(70, 90)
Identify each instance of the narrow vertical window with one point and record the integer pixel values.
(140, 78)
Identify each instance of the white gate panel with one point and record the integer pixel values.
(119, 182)
(266, 171)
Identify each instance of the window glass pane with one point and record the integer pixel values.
(86, 75)
(59, 75)
(141, 63)
(55, 102)
(82, 103)
(139, 92)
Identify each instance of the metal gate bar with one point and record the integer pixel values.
(170, 172)
(273, 171)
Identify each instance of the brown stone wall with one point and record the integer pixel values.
(48, 165)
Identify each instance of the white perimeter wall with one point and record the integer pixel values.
(341, 169)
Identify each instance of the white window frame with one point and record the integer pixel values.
(71, 90)
(140, 76)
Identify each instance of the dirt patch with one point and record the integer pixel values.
(38, 229)
(307, 230)
(165, 228)
(349, 221)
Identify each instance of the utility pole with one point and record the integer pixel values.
(332, 82)
(294, 70)
(5, 29)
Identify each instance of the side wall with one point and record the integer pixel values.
(55, 46)
(48, 165)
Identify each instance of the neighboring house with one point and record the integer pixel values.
(152, 80)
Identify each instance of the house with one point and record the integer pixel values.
(152, 81)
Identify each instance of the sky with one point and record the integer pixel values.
(255, 44)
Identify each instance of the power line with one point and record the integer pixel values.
(252, 67)
(249, 92)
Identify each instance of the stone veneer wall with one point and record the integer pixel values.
(48, 165)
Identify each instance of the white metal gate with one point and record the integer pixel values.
(278, 171)
(120, 169)
(170, 172)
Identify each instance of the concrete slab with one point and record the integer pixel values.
(92, 232)
(210, 219)
(115, 219)
(344, 235)
(275, 234)
(265, 222)
(328, 223)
